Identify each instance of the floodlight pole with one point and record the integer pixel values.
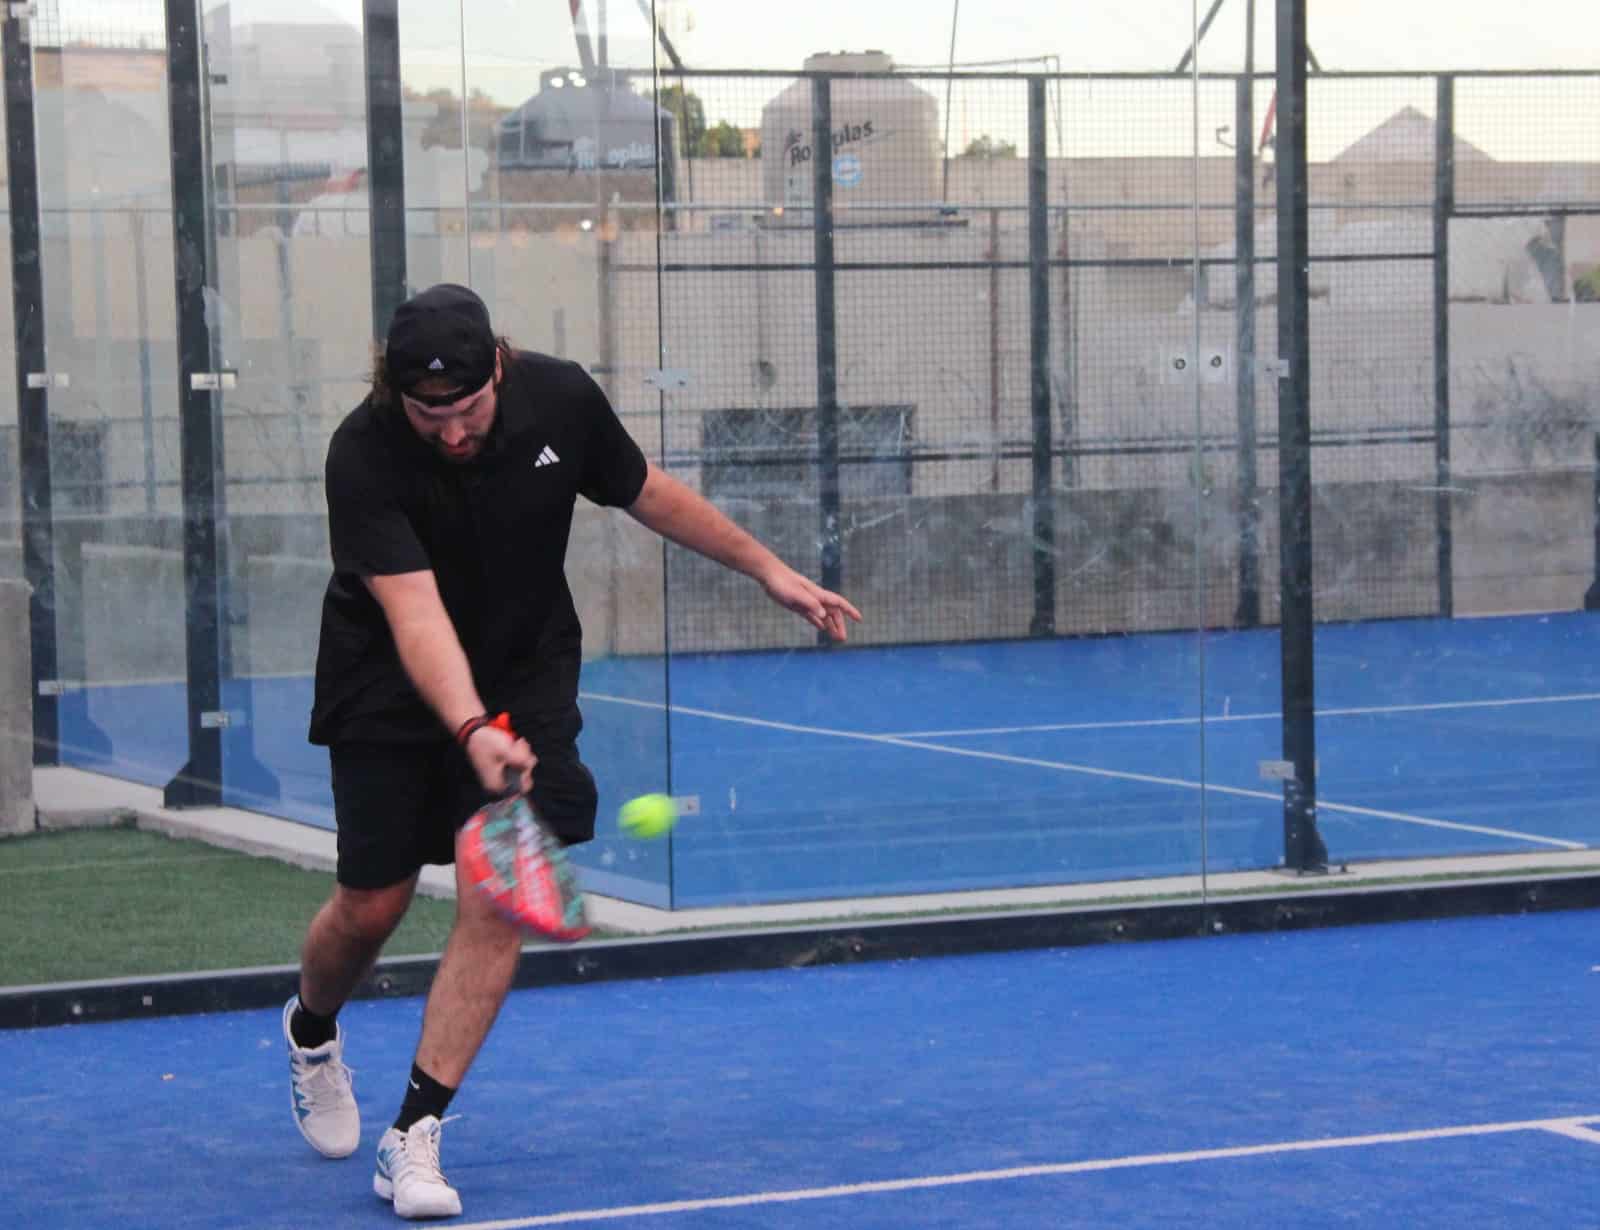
(580, 32)
(1250, 26)
(1194, 47)
(661, 35)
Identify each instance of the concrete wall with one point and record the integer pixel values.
(923, 569)
(16, 712)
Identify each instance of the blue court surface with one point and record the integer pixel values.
(1441, 1074)
(931, 768)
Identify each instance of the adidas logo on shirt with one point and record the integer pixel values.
(547, 457)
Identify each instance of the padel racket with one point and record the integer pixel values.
(510, 856)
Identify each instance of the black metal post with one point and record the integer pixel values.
(199, 782)
(1043, 528)
(1303, 848)
(1591, 599)
(1248, 612)
(832, 564)
(386, 185)
(1444, 207)
(33, 409)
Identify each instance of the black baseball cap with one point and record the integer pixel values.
(441, 334)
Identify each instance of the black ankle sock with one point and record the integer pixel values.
(424, 1096)
(310, 1030)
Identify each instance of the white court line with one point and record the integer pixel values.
(1352, 711)
(1563, 1127)
(1577, 1131)
(1066, 766)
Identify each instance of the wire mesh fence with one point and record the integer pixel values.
(1007, 276)
(126, 24)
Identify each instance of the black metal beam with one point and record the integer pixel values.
(386, 183)
(647, 10)
(832, 564)
(1444, 207)
(33, 405)
(199, 782)
(1247, 614)
(1042, 531)
(1303, 848)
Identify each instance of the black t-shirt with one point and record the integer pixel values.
(493, 531)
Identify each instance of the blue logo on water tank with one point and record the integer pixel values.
(847, 170)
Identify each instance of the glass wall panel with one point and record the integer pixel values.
(1458, 336)
(1236, 460)
(555, 151)
(106, 216)
(288, 152)
(925, 331)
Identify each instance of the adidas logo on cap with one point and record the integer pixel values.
(436, 366)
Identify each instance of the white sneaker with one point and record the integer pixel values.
(409, 1175)
(321, 1092)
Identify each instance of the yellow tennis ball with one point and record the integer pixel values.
(649, 815)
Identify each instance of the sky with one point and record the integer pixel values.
(501, 46)
(1085, 34)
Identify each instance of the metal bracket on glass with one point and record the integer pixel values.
(1281, 770)
(666, 378)
(57, 687)
(1278, 369)
(49, 380)
(220, 719)
(687, 804)
(211, 382)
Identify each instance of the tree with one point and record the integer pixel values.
(690, 113)
(722, 140)
(444, 129)
(987, 147)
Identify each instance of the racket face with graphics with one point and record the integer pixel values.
(510, 856)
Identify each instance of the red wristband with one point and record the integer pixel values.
(501, 721)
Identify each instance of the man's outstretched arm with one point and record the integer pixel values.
(687, 518)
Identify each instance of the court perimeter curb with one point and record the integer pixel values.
(845, 943)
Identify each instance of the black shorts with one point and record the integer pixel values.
(398, 805)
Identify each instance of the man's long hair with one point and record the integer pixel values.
(383, 393)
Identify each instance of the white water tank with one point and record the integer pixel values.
(884, 138)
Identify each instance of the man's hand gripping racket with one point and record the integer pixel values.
(510, 856)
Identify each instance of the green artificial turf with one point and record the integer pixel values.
(117, 902)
